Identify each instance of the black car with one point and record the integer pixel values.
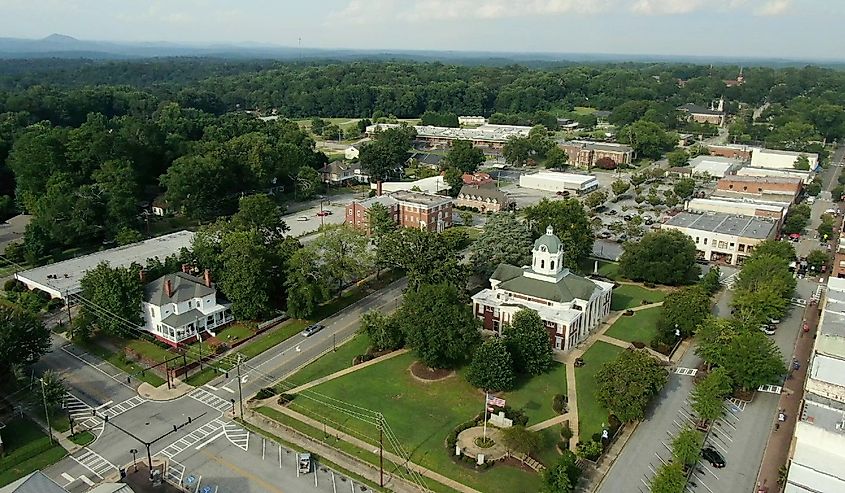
(712, 456)
(312, 329)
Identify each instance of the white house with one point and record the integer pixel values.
(351, 153)
(178, 308)
(570, 305)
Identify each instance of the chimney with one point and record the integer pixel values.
(207, 278)
(168, 288)
(378, 188)
(143, 275)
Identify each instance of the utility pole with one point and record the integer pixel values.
(46, 411)
(240, 391)
(199, 336)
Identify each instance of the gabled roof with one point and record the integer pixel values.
(568, 288)
(484, 192)
(36, 482)
(181, 319)
(185, 287)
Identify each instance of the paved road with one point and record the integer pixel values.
(740, 436)
(213, 450)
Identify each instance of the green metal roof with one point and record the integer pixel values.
(570, 287)
(549, 240)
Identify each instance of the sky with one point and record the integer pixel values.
(798, 29)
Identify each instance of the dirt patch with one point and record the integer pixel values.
(426, 374)
(514, 462)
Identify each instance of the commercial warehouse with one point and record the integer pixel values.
(550, 181)
(63, 278)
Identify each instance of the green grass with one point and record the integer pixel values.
(120, 362)
(235, 332)
(150, 350)
(420, 414)
(631, 296)
(535, 395)
(330, 362)
(169, 224)
(82, 438)
(356, 293)
(296, 448)
(59, 421)
(607, 269)
(473, 232)
(272, 337)
(547, 452)
(584, 110)
(591, 414)
(641, 326)
(28, 449)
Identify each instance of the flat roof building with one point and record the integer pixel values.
(63, 278)
(806, 177)
(776, 159)
(774, 188)
(818, 449)
(552, 181)
(713, 166)
(487, 134)
(723, 237)
(771, 210)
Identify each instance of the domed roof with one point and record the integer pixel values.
(549, 240)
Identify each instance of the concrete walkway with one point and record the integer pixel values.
(542, 425)
(395, 459)
(346, 371)
(569, 358)
(162, 393)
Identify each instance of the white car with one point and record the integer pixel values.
(769, 330)
(302, 218)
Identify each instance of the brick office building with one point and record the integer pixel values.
(586, 154)
(408, 210)
(781, 189)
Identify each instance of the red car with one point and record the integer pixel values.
(323, 213)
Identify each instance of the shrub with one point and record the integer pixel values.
(590, 450)
(559, 403)
(517, 415)
(55, 304)
(596, 437)
(285, 399)
(361, 358)
(44, 295)
(452, 439)
(265, 393)
(13, 285)
(606, 163)
(566, 433)
(613, 424)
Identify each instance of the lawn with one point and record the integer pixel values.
(420, 414)
(584, 110)
(120, 362)
(274, 336)
(631, 296)
(591, 414)
(607, 269)
(535, 395)
(547, 452)
(330, 362)
(356, 293)
(28, 449)
(82, 438)
(235, 332)
(641, 326)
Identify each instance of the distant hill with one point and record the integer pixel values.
(63, 46)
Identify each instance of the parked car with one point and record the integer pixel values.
(769, 330)
(302, 218)
(323, 213)
(712, 456)
(304, 463)
(774, 321)
(612, 212)
(312, 329)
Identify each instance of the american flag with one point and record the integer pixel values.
(492, 400)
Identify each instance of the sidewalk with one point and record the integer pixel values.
(779, 445)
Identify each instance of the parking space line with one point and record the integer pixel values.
(215, 437)
(717, 444)
(199, 480)
(68, 477)
(280, 456)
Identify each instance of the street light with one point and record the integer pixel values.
(46, 411)
(134, 452)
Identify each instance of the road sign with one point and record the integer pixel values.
(191, 479)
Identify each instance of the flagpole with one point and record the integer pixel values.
(486, 400)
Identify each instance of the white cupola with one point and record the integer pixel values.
(547, 254)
